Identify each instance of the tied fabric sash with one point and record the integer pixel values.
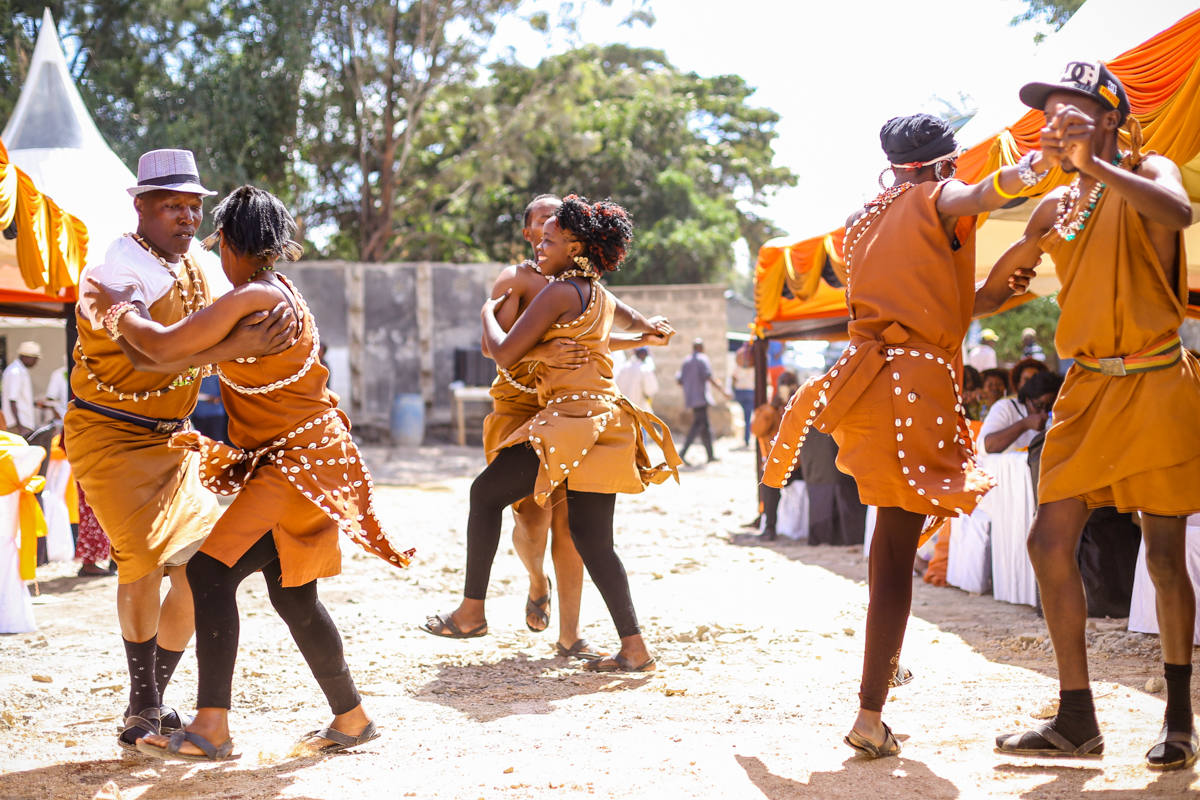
(32, 523)
(1155, 357)
(856, 372)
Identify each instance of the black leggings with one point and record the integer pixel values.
(214, 591)
(511, 477)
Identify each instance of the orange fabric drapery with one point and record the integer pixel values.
(1162, 79)
(51, 244)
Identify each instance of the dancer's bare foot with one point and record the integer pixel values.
(869, 725)
(352, 723)
(211, 723)
(465, 622)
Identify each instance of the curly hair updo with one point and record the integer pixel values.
(256, 223)
(604, 229)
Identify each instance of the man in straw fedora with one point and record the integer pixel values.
(147, 497)
(20, 413)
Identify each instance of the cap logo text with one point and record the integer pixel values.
(1081, 73)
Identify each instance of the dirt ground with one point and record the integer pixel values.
(759, 645)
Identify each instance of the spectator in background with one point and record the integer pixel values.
(765, 426)
(56, 394)
(209, 417)
(982, 356)
(775, 365)
(20, 414)
(835, 513)
(1030, 346)
(1024, 370)
(972, 393)
(742, 384)
(696, 377)
(995, 388)
(1013, 423)
(636, 379)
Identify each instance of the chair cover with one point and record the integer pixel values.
(60, 546)
(792, 519)
(1143, 618)
(1011, 507)
(970, 567)
(18, 464)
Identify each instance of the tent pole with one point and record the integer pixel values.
(759, 353)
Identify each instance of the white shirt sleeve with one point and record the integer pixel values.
(118, 276)
(1005, 413)
(649, 381)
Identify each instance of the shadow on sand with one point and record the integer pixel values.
(860, 776)
(518, 685)
(171, 779)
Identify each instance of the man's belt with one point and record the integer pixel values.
(151, 423)
(1158, 356)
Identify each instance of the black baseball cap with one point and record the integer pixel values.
(1085, 78)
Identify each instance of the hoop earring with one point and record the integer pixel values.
(937, 171)
(885, 171)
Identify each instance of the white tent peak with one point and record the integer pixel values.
(50, 111)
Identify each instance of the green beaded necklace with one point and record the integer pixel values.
(1070, 202)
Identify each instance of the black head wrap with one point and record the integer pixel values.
(916, 139)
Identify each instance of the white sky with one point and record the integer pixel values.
(835, 72)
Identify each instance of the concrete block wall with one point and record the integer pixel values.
(696, 310)
(393, 328)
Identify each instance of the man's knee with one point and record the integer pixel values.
(1049, 548)
(1166, 561)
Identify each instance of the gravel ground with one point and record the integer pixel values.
(759, 645)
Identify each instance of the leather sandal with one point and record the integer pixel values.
(618, 663)
(581, 649)
(1060, 746)
(445, 622)
(903, 676)
(222, 752)
(339, 741)
(539, 608)
(1187, 745)
(862, 744)
(147, 720)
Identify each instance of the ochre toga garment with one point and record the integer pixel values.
(295, 469)
(514, 401)
(146, 496)
(1132, 441)
(893, 400)
(586, 433)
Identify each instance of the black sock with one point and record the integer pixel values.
(143, 690)
(165, 662)
(1179, 697)
(1076, 720)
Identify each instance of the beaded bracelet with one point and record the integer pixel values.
(112, 318)
(1025, 170)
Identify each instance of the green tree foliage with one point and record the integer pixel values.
(1054, 12)
(377, 122)
(219, 78)
(1041, 314)
(679, 151)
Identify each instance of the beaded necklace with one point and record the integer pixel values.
(313, 355)
(1073, 215)
(191, 304)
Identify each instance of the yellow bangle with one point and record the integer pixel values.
(999, 191)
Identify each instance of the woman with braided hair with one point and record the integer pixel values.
(297, 475)
(585, 438)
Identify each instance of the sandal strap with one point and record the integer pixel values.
(1176, 737)
(336, 736)
(447, 622)
(1064, 744)
(176, 740)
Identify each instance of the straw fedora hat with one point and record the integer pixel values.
(173, 170)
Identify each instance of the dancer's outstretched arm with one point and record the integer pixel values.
(195, 334)
(1015, 269)
(968, 199)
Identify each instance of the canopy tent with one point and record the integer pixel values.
(1162, 76)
